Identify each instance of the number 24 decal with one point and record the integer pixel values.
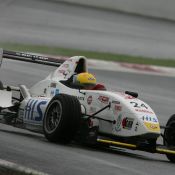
(136, 105)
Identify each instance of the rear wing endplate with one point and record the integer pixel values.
(30, 57)
(5, 99)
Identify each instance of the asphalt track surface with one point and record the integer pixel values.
(34, 151)
(64, 25)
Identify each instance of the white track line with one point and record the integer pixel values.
(9, 167)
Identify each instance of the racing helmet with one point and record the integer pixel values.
(85, 79)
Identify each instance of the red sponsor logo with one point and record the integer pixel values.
(89, 100)
(65, 65)
(145, 111)
(118, 108)
(53, 85)
(127, 123)
(62, 71)
(103, 99)
(153, 126)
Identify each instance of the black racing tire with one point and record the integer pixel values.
(169, 136)
(62, 118)
(1, 86)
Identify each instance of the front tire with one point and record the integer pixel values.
(169, 136)
(62, 118)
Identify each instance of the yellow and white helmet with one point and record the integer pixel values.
(85, 79)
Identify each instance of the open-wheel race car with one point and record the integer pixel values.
(66, 111)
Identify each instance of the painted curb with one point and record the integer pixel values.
(132, 68)
(124, 66)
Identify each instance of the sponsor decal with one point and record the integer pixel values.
(56, 91)
(34, 57)
(103, 99)
(80, 98)
(136, 127)
(91, 78)
(89, 100)
(53, 85)
(144, 111)
(33, 110)
(45, 90)
(117, 108)
(92, 110)
(64, 72)
(152, 126)
(150, 119)
(115, 102)
(127, 123)
(118, 123)
(52, 92)
(61, 71)
(65, 65)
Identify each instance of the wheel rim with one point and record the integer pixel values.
(53, 116)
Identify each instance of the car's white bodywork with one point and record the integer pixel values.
(127, 116)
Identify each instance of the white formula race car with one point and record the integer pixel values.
(65, 112)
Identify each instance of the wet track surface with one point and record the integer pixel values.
(33, 150)
(54, 23)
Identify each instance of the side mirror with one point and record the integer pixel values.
(133, 94)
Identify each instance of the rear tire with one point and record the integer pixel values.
(62, 118)
(169, 136)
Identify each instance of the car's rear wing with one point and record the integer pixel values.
(29, 57)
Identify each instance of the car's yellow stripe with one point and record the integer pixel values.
(164, 151)
(120, 144)
(132, 146)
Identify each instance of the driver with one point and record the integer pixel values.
(85, 80)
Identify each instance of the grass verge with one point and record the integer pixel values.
(89, 54)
